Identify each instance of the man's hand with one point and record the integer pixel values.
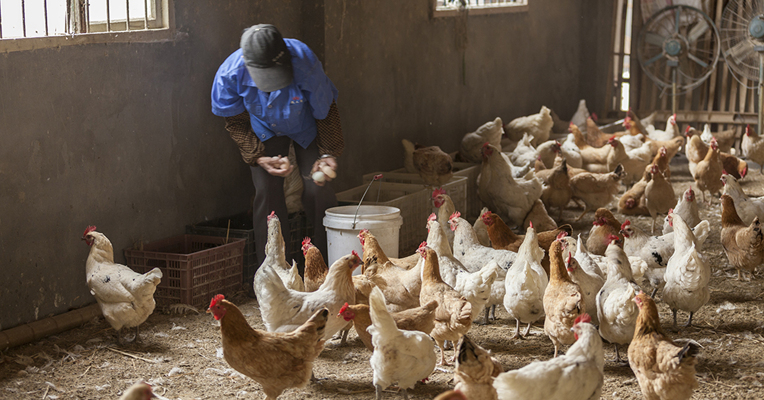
(274, 166)
(321, 163)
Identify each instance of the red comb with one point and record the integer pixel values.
(530, 224)
(671, 211)
(344, 308)
(561, 235)
(687, 129)
(355, 254)
(612, 237)
(594, 117)
(216, 299)
(724, 172)
(583, 318)
(455, 215)
(432, 217)
(89, 229)
(625, 224)
(438, 192)
(421, 245)
(271, 215)
(306, 241)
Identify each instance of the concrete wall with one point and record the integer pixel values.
(121, 136)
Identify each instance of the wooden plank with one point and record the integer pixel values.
(702, 116)
(615, 46)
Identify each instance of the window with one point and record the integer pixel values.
(29, 24)
(449, 8)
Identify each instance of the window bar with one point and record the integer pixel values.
(85, 14)
(108, 17)
(45, 8)
(127, 15)
(1, 24)
(23, 19)
(145, 14)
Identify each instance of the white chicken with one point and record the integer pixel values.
(525, 284)
(284, 310)
(275, 256)
(632, 142)
(671, 131)
(474, 256)
(687, 273)
(472, 142)
(752, 146)
(616, 309)
(577, 375)
(581, 114)
(511, 198)
(747, 208)
(405, 357)
(126, 297)
(589, 280)
(480, 228)
(585, 260)
(445, 207)
(571, 152)
(687, 208)
(538, 126)
(636, 162)
(524, 152)
(474, 286)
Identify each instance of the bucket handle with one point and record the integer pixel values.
(376, 178)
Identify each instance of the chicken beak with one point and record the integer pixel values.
(208, 311)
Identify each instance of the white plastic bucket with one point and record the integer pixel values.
(383, 222)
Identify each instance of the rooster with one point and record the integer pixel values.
(276, 360)
(126, 297)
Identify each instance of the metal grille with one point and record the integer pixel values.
(39, 18)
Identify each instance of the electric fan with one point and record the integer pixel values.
(742, 33)
(678, 48)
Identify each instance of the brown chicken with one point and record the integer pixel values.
(453, 317)
(596, 190)
(434, 165)
(672, 146)
(138, 391)
(633, 201)
(557, 192)
(733, 165)
(563, 301)
(503, 238)
(539, 217)
(451, 395)
(604, 225)
(315, 267)
(400, 287)
(659, 195)
(696, 151)
(662, 161)
(637, 123)
(743, 245)
(416, 319)
(594, 136)
(708, 172)
(475, 370)
(276, 360)
(664, 370)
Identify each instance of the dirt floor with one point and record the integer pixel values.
(181, 356)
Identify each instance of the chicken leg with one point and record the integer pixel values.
(443, 354)
(689, 321)
(378, 392)
(527, 330)
(582, 214)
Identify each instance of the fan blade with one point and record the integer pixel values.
(654, 39)
(677, 14)
(697, 60)
(654, 59)
(697, 31)
(739, 51)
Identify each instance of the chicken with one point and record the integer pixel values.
(445, 207)
(733, 165)
(635, 163)
(453, 317)
(275, 360)
(708, 172)
(570, 151)
(641, 123)
(659, 195)
(475, 370)
(687, 272)
(472, 143)
(503, 238)
(752, 146)
(589, 280)
(126, 298)
(539, 217)
(556, 191)
(563, 301)
(138, 391)
(664, 370)
(451, 395)
(603, 159)
(284, 310)
(546, 152)
(743, 244)
(525, 284)
(616, 311)
(672, 130)
(586, 261)
(661, 160)
(578, 375)
(698, 150)
(672, 146)
(604, 225)
(401, 356)
(474, 256)
(315, 267)
(687, 208)
(595, 190)
(511, 198)
(480, 228)
(725, 139)
(420, 319)
(432, 164)
(633, 201)
(401, 287)
(524, 152)
(275, 257)
(746, 207)
(581, 114)
(474, 286)
(594, 136)
(538, 126)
